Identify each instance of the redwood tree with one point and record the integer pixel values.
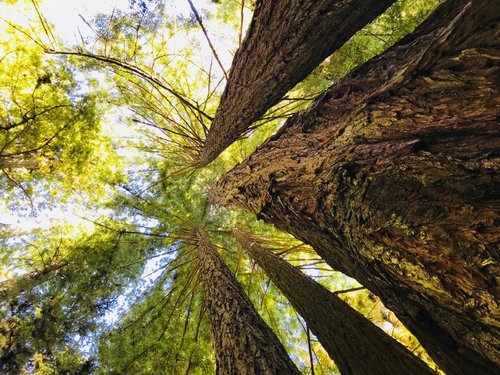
(285, 41)
(243, 343)
(391, 176)
(356, 345)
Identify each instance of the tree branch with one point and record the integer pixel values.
(135, 71)
(198, 18)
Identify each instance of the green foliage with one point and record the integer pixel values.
(73, 282)
(52, 139)
(164, 333)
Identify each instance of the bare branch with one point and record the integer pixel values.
(26, 119)
(349, 290)
(198, 18)
(135, 70)
(44, 23)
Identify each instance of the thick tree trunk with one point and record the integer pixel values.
(243, 343)
(357, 346)
(285, 41)
(391, 176)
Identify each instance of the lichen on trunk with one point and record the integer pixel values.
(391, 175)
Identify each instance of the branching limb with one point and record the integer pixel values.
(135, 70)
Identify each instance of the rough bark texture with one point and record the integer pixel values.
(357, 346)
(285, 41)
(391, 176)
(243, 343)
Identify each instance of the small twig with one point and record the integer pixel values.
(121, 231)
(18, 184)
(308, 333)
(87, 23)
(39, 147)
(349, 290)
(25, 119)
(137, 357)
(45, 25)
(198, 18)
(37, 42)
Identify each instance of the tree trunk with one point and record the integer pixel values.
(243, 343)
(285, 41)
(391, 176)
(357, 346)
(13, 287)
(15, 162)
(12, 298)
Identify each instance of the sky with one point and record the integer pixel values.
(65, 14)
(65, 17)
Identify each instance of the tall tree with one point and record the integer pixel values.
(391, 176)
(284, 43)
(74, 282)
(355, 344)
(413, 264)
(149, 339)
(242, 341)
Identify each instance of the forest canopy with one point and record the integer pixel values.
(250, 187)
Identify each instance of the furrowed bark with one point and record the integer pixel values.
(357, 346)
(392, 177)
(243, 343)
(285, 41)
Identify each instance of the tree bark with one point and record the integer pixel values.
(285, 41)
(243, 343)
(391, 176)
(16, 162)
(357, 346)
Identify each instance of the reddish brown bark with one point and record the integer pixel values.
(391, 176)
(243, 343)
(357, 346)
(285, 41)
